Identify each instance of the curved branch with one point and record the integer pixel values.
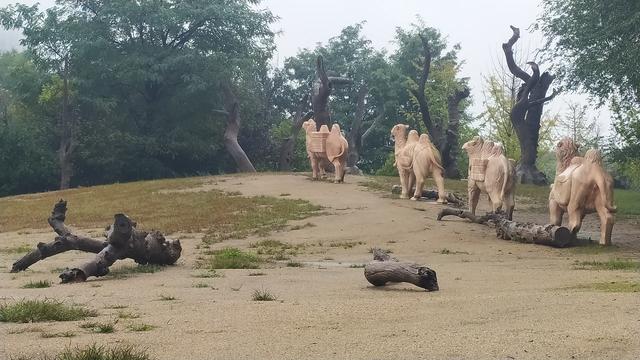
(374, 124)
(508, 52)
(544, 100)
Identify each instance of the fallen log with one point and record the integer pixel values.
(383, 270)
(123, 241)
(433, 195)
(550, 235)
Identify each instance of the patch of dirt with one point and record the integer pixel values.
(497, 299)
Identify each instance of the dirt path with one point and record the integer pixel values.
(497, 299)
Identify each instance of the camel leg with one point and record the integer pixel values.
(403, 183)
(411, 180)
(606, 223)
(439, 180)
(474, 197)
(509, 205)
(314, 167)
(555, 213)
(338, 171)
(575, 219)
(419, 184)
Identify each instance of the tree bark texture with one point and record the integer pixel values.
(450, 150)
(383, 270)
(355, 134)
(432, 127)
(320, 92)
(527, 113)
(123, 241)
(66, 132)
(550, 235)
(232, 109)
(452, 198)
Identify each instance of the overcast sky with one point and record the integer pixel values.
(479, 26)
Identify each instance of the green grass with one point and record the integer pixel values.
(263, 295)
(257, 274)
(210, 273)
(612, 286)
(164, 297)
(37, 284)
(21, 249)
(26, 311)
(93, 352)
(446, 251)
(357, 266)
(65, 334)
(294, 264)
(99, 328)
(126, 271)
(160, 204)
(141, 327)
(231, 258)
(611, 264)
(200, 285)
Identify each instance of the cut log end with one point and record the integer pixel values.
(384, 270)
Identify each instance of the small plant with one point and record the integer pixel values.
(357, 266)
(26, 311)
(200, 285)
(99, 328)
(257, 274)
(141, 327)
(126, 271)
(95, 352)
(232, 258)
(285, 194)
(263, 295)
(446, 251)
(66, 334)
(294, 264)
(116, 306)
(299, 227)
(611, 264)
(164, 297)
(127, 315)
(211, 273)
(37, 284)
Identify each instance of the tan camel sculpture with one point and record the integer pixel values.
(491, 172)
(581, 186)
(415, 158)
(427, 160)
(403, 154)
(325, 145)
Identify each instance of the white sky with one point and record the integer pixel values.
(479, 26)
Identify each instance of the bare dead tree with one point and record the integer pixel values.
(288, 146)
(451, 147)
(123, 241)
(320, 92)
(232, 113)
(527, 112)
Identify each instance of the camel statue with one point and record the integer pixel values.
(415, 158)
(492, 173)
(427, 160)
(323, 146)
(581, 187)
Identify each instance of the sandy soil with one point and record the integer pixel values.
(497, 299)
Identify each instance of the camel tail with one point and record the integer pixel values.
(594, 157)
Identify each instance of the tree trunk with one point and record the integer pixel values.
(232, 109)
(123, 241)
(450, 149)
(527, 113)
(355, 135)
(384, 270)
(66, 133)
(289, 144)
(550, 235)
(320, 92)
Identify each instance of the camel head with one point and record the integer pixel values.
(399, 131)
(566, 149)
(474, 146)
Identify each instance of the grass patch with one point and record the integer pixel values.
(612, 286)
(257, 274)
(94, 352)
(346, 244)
(304, 226)
(263, 295)
(356, 266)
(611, 264)
(446, 251)
(231, 258)
(222, 214)
(141, 327)
(211, 273)
(164, 297)
(593, 249)
(127, 315)
(26, 311)
(285, 194)
(200, 285)
(37, 284)
(116, 306)
(126, 271)
(294, 264)
(99, 328)
(20, 249)
(66, 334)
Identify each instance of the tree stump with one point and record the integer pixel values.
(384, 270)
(123, 241)
(550, 235)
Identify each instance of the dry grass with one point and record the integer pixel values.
(611, 286)
(26, 311)
(159, 204)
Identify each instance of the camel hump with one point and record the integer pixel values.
(413, 136)
(424, 139)
(335, 129)
(324, 129)
(593, 156)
